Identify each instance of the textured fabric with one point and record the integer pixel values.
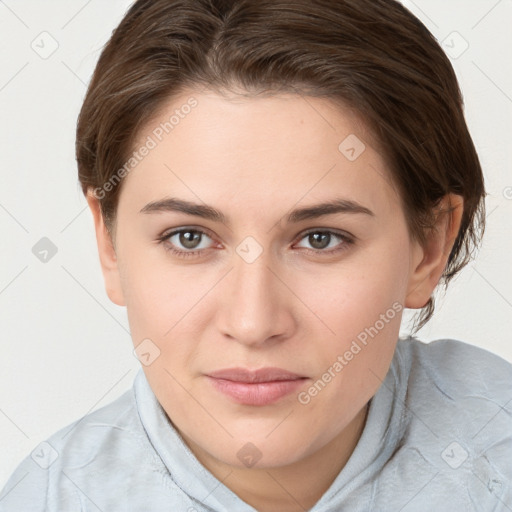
(438, 437)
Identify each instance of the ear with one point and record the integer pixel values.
(429, 261)
(107, 254)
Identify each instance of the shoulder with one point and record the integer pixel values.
(105, 460)
(458, 410)
(458, 368)
(458, 385)
(51, 468)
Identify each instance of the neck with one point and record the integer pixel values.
(292, 488)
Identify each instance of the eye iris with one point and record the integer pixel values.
(190, 239)
(319, 240)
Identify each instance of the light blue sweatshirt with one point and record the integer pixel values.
(438, 437)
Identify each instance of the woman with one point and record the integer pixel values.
(272, 184)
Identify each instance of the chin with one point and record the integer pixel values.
(265, 451)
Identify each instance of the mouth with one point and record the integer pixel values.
(264, 386)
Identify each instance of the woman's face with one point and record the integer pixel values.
(260, 278)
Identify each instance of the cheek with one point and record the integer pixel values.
(354, 293)
(147, 292)
(161, 297)
(362, 304)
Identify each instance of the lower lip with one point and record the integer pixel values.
(261, 393)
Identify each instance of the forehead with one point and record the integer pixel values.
(252, 150)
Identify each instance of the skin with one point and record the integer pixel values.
(255, 159)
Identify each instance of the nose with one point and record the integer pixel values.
(256, 307)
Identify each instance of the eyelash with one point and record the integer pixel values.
(163, 239)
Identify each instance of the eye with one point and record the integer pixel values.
(326, 241)
(184, 241)
(189, 242)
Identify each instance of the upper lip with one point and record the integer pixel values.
(268, 374)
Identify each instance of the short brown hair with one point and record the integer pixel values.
(373, 55)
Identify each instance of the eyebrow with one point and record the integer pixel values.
(172, 204)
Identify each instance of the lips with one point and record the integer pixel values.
(264, 386)
(268, 374)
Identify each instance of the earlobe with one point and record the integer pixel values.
(107, 253)
(428, 262)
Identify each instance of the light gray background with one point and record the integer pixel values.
(65, 347)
